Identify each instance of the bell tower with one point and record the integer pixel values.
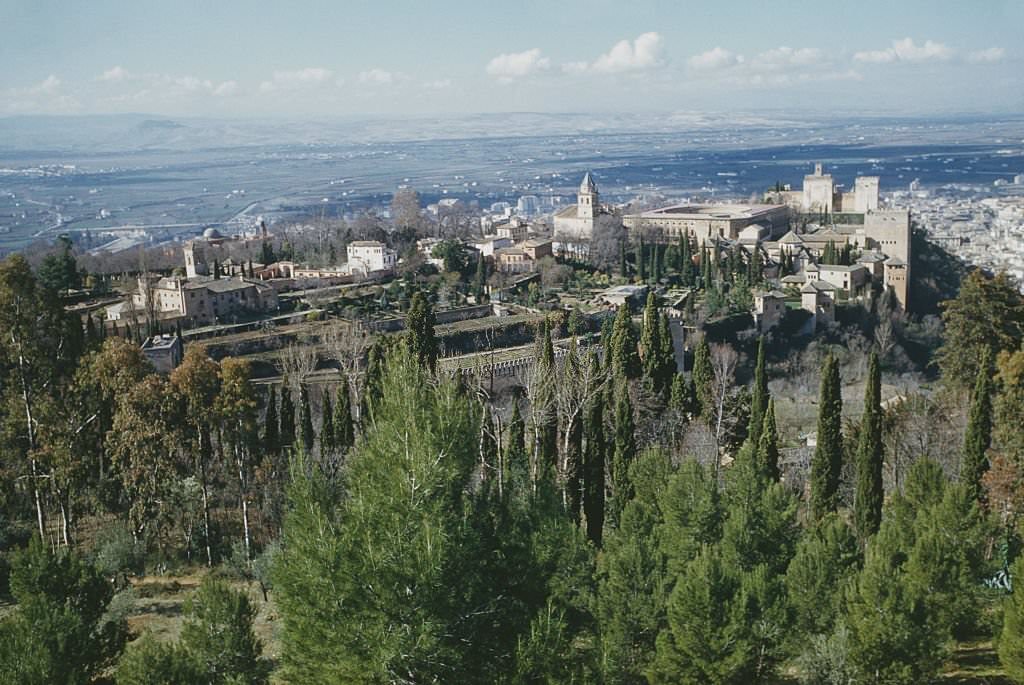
(586, 202)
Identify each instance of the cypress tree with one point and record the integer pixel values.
(641, 261)
(287, 431)
(624, 450)
(686, 266)
(594, 466)
(655, 263)
(547, 414)
(650, 342)
(827, 462)
(515, 451)
(623, 266)
(271, 426)
(481, 278)
(666, 355)
(344, 430)
(306, 419)
(768, 444)
(869, 493)
(419, 324)
(573, 459)
(704, 379)
(758, 397)
(625, 359)
(327, 442)
(679, 396)
(978, 437)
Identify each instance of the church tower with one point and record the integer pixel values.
(586, 202)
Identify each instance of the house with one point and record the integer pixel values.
(513, 260)
(163, 352)
(852, 279)
(202, 300)
(632, 295)
(769, 309)
(368, 256)
(538, 248)
(818, 298)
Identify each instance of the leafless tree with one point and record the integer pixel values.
(298, 361)
(405, 209)
(606, 241)
(723, 360)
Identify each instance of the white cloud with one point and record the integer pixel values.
(117, 73)
(47, 86)
(225, 89)
(642, 53)
(513, 65)
(788, 57)
(715, 58)
(45, 96)
(376, 76)
(191, 83)
(906, 50)
(986, 55)
(296, 78)
(438, 84)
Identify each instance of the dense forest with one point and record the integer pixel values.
(613, 520)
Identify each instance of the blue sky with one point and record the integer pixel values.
(396, 58)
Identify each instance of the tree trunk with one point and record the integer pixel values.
(204, 442)
(240, 462)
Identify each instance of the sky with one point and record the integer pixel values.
(398, 58)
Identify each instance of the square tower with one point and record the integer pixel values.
(586, 202)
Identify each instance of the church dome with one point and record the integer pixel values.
(212, 234)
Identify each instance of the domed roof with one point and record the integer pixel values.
(212, 234)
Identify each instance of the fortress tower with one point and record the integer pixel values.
(586, 202)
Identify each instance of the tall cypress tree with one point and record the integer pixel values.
(649, 340)
(758, 397)
(344, 429)
(271, 425)
(624, 450)
(978, 437)
(306, 420)
(546, 413)
(704, 379)
(827, 462)
(623, 266)
(641, 261)
(869, 493)
(328, 445)
(625, 359)
(768, 444)
(287, 431)
(594, 463)
(666, 355)
(481, 278)
(515, 450)
(419, 324)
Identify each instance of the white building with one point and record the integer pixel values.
(367, 256)
(577, 221)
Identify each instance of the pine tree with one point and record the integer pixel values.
(978, 437)
(306, 420)
(1011, 642)
(271, 425)
(758, 397)
(594, 467)
(344, 429)
(827, 556)
(704, 379)
(286, 433)
(218, 634)
(768, 445)
(624, 450)
(708, 636)
(869, 493)
(625, 359)
(633, 586)
(419, 324)
(827, 462)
